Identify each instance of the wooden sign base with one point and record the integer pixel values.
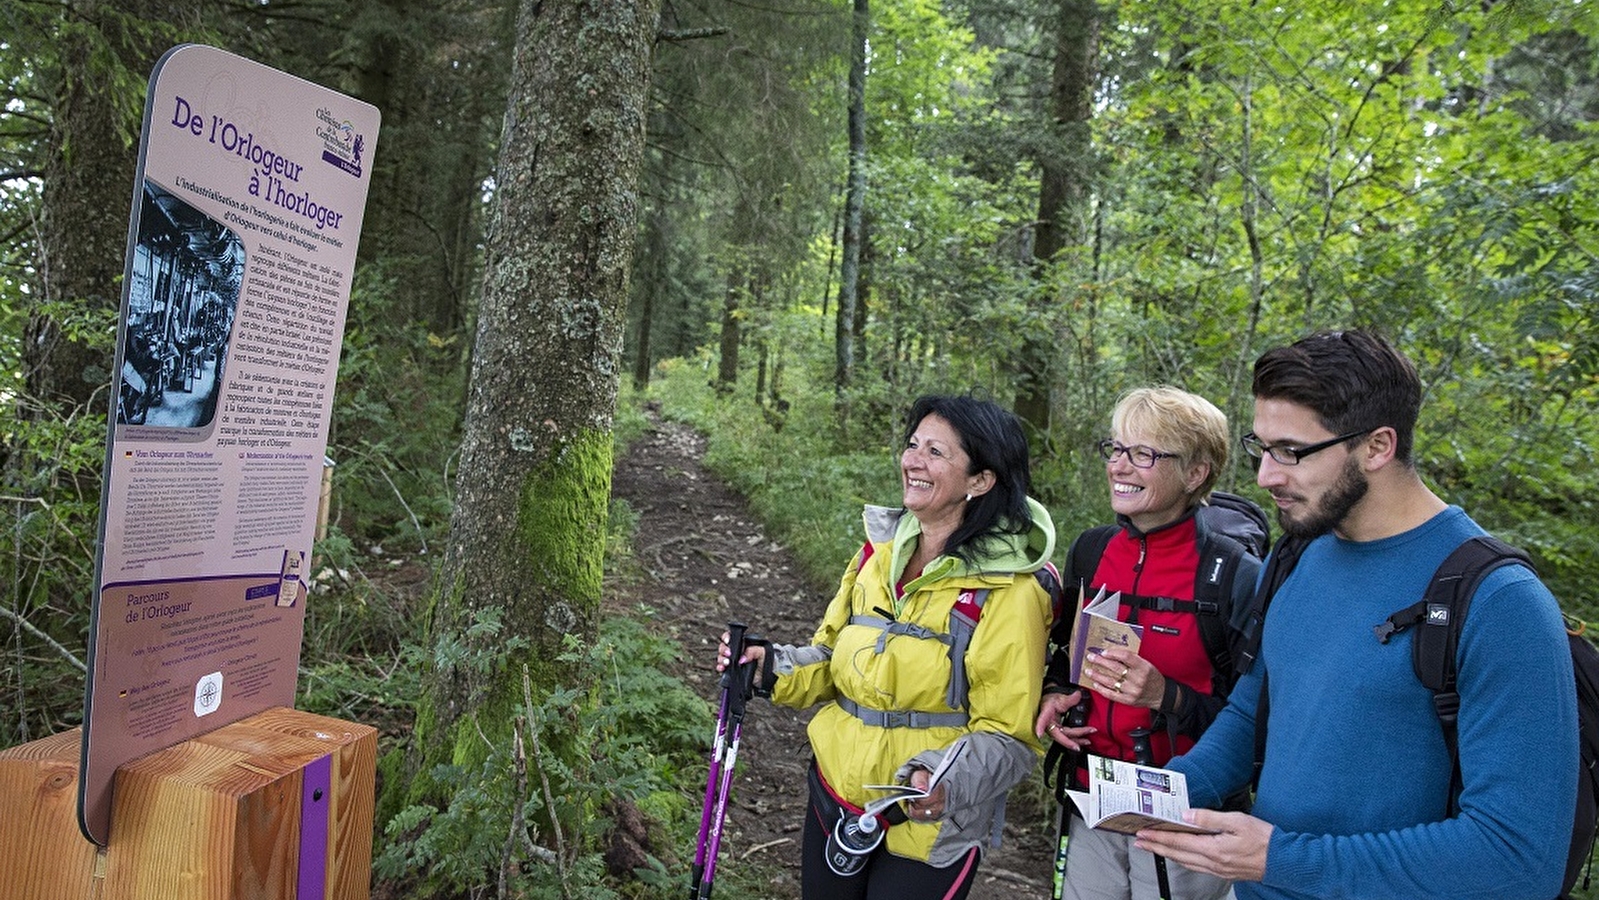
(277, 806)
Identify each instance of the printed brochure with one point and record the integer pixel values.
(1127, 798)
(1098, 630)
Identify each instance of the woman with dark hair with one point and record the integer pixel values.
(929, 653)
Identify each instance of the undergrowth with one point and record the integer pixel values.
(639, 734)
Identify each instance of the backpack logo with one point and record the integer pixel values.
(966, 605)
(1215, 569)
(1437, 614)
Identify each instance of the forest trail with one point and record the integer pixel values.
(706, 561)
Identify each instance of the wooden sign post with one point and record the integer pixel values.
(277, 806)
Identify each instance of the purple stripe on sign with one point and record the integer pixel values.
(346, 165)
(315, 807)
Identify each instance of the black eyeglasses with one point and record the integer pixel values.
(1285, 455)
(1139, 455)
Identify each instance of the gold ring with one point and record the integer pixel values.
(1117, 687)
(1125, 670)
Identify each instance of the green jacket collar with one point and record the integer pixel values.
(1006, 553)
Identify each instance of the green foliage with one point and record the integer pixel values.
(52, 512)
(396, 424)
(1274, 170)
(538, 811)
(630, 422)
(359, 659)
(52, 448)
(806, 488)
(1256, 171)
(743, 141)
(630, 737)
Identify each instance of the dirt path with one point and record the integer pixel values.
(707, 561)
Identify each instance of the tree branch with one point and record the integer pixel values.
(27, 626)
(544, 779)
(691, 34)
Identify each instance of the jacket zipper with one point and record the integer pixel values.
(1132, 616)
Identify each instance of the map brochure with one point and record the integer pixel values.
(1125, 797)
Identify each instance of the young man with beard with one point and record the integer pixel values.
(1354, 798)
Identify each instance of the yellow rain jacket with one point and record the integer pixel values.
(861, 665)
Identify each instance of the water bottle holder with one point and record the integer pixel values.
(849, 847)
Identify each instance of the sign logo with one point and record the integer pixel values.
(342, 145)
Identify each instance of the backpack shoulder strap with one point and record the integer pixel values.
(1224, 580)
(1250, 621)
(963, 619)
(1441, 614)
(1048, 578)
(1083, 558)
(1252, 616)
(1585, 665)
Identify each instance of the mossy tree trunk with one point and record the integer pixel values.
(528, 530)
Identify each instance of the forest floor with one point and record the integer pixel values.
(706, 561)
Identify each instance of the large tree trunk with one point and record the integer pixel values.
(88, 179)
(727, 368)
(1065, 163)
(854, 201)
(526, 539)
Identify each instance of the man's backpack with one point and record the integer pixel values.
(1439, 617)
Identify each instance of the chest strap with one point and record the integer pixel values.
(895, 718)
(1168, 604)
(889, 626)
(963, 618)
(962, 621)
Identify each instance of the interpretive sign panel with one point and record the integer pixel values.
(246, 214)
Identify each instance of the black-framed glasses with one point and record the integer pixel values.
(1286, 455)
(1139, 455)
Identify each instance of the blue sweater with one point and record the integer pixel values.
(1356, 779)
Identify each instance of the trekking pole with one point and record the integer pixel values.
(1065, 775)
(735, 636)
(737, 686)
(1144, 755)
(738, 696)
